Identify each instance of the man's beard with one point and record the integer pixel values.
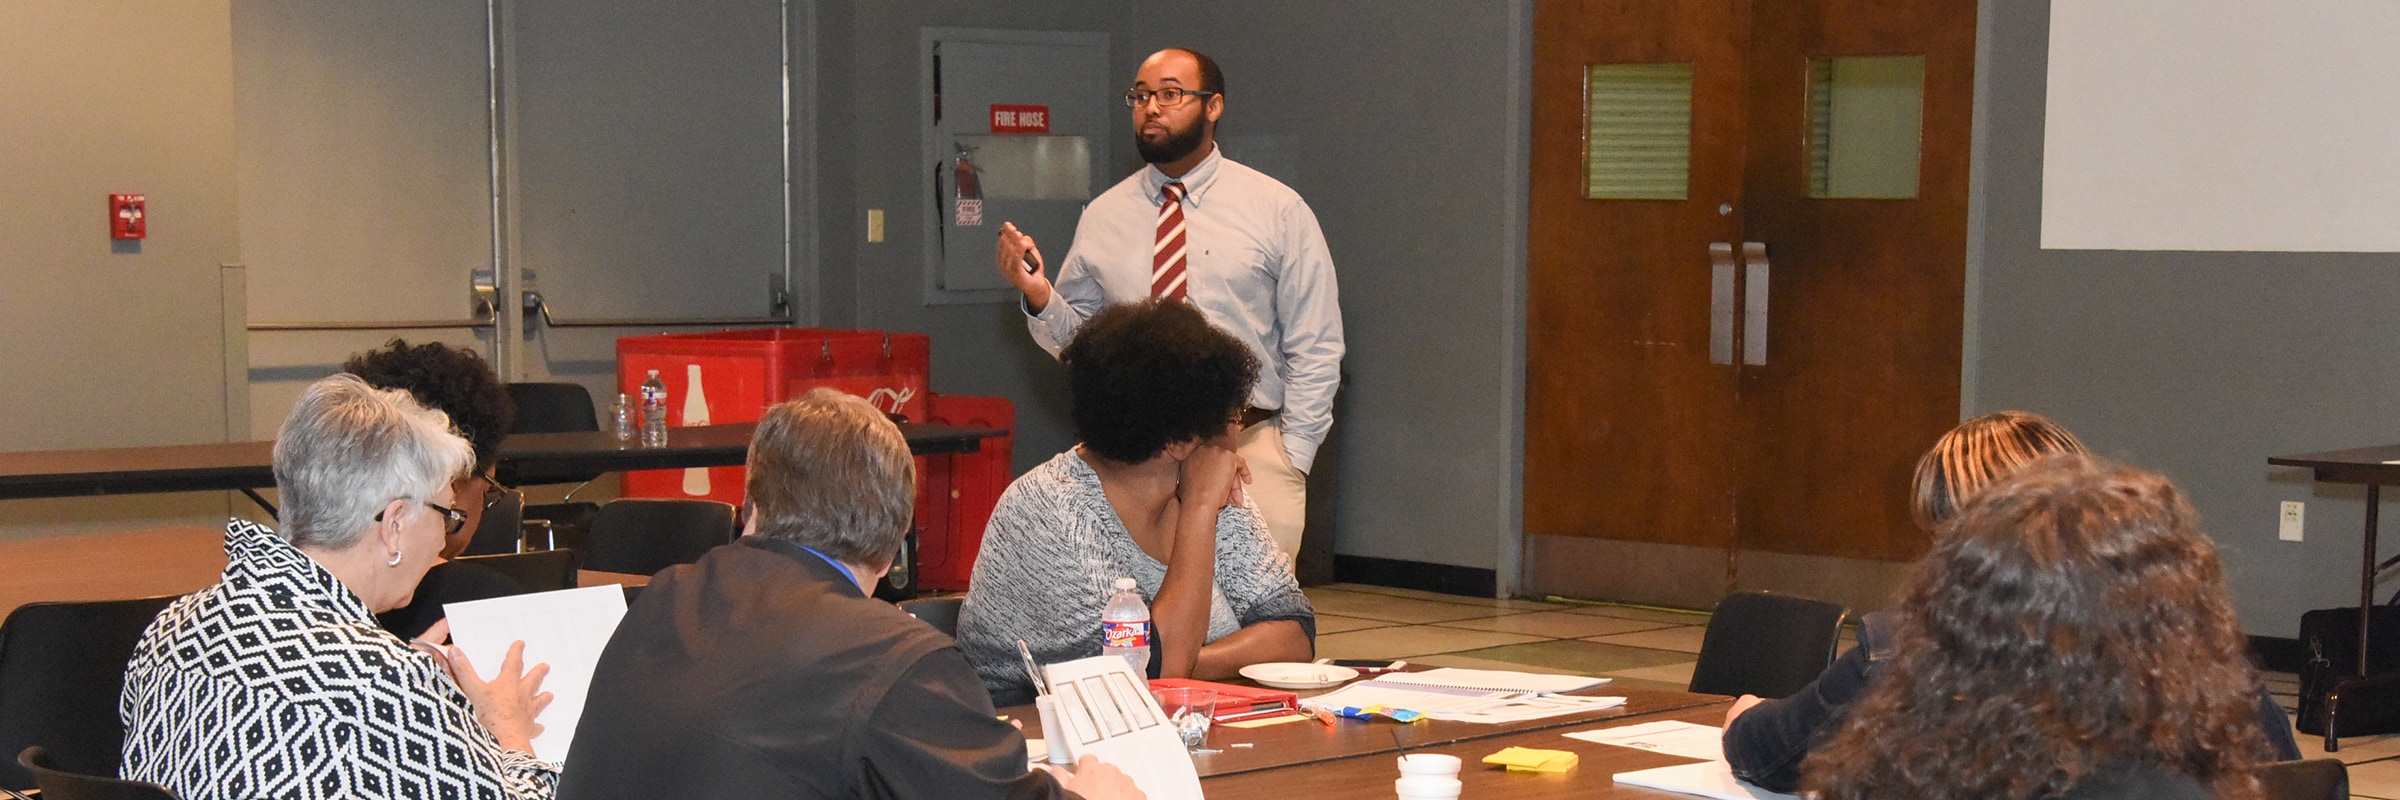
(1174, 147)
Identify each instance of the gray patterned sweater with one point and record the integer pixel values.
(1051, 557)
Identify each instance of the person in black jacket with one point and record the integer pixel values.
(766, 670)
(1765, 740)
(2069, 636)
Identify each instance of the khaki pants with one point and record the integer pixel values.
(1279, 490)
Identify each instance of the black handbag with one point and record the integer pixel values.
(2329, 636)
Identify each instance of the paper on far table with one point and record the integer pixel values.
(1458, 705)
(566, 629)
(1687, 739)
(1105, 710)
(1494, 680)
(1706, 779)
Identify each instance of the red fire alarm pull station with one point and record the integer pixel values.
(1020, 119)
(127, 219)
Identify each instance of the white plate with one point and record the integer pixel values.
(1295, 675)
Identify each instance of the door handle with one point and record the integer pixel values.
(1754, 303)
(1720, 303)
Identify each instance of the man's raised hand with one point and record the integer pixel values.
(1020, 261)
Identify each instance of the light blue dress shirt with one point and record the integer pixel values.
(1256, 267)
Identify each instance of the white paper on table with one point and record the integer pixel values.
(1687, 739)
(1706, 779)
(1106, 711)
(566, 629)
(1426, 699)
(1494, 680)
(1458, 705)
(1522, 708)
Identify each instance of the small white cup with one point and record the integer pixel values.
(1433, 765)
(1426, 787)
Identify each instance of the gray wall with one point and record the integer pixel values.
(363, 167)
(868, 149)
(644, 148)
(1408, 126)
(113, 345)
(642, 174)
(1409, 129)
(2199, 365)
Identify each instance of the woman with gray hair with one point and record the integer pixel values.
(277, 681)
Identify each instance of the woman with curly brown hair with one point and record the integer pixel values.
(1765, 741)
(2069, 636)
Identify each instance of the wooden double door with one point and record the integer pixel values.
(1729, 382)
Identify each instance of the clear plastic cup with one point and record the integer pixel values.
(1190, 710)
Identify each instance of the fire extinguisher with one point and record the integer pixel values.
(968, 212)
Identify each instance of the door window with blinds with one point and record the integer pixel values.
(1866, 117)
(1638, 128)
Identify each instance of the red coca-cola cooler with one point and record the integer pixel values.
(956, 492)
(737, 374)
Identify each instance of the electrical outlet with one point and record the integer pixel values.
(2288, 525)
(874, 225)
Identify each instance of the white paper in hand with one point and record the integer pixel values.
(1106, 711)
(566, 629)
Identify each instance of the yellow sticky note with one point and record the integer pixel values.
(1527, 759)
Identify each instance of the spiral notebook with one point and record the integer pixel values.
(1493, 680)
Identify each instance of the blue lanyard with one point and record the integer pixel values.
(846, 573)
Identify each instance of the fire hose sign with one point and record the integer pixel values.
(1020, 119)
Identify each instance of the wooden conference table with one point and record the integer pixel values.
(2371, 467)
(249, 466)
(1356, 758)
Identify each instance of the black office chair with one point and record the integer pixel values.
(502, 529)
(1767, 644)
(2314, 779)
(62, 668)
(939, 612)
(553, 408)
(642, 536)
(537, 571)
(59, 784)
(550, 408)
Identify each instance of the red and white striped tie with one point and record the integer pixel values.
(1167, 257)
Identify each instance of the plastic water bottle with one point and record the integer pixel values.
(654, 411)
(622, 418)
(1125, 627)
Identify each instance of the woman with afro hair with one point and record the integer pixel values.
(1151, 493)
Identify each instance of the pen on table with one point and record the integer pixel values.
(1032, 670)
(1045, 708)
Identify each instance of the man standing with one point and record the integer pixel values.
(1239, 245)
(765, 670)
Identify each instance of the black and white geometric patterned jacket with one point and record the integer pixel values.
(277, 682)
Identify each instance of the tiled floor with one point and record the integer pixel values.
(1636, 646)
